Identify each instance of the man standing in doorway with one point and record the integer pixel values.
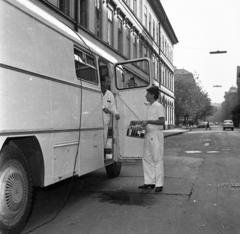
(153, 142)
(109, 106)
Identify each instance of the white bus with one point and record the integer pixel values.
(51, 118)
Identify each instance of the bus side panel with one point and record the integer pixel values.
(27, 43)
(36, 64)
(91, 141)
(25, 102)
(66, 124)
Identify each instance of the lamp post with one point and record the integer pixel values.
(218, 52)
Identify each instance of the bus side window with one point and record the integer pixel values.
(103, 68)
(85, 66)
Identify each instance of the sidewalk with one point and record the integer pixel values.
(175, 131)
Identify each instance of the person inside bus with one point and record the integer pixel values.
(131, 82)
(109, 106)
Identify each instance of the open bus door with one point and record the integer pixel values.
(132, 78)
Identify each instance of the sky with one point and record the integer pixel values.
(202, 26)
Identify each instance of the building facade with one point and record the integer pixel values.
(236, 110)
(126, 29)
(231, 100)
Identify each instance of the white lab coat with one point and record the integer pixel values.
(154, 147)
(109, 103)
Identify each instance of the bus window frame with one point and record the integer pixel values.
(84, 62)
(150, 82)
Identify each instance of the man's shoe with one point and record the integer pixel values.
(145, 186)
(158, 189)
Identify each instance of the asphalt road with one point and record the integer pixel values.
(201, 193)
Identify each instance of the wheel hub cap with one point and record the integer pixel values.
(13, 192)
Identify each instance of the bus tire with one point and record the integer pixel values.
(114, 169)
(16, 190)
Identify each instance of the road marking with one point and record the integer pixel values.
(207, 139)
(211, 152)
(193, 152)
(206, 144)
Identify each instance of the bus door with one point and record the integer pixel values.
(105, 70)
(132, 78)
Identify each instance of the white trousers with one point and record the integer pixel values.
(153, 158)
(105, 135)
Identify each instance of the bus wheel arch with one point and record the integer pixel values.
(16, 190)
(32, 151)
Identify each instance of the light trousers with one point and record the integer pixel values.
(153, 158)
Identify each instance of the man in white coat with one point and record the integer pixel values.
(109, 106)
(153, 142)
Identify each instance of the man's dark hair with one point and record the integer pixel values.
(103, 78)
(154, 90)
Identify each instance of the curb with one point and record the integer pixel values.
(176, 133)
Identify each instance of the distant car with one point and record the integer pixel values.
(228, 124)
(201, 124)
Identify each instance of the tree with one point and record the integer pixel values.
(191, 101)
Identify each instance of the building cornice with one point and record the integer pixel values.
(163, 19)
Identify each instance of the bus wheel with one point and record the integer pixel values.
(114, 169)
(16, 190)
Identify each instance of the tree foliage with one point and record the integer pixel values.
(191, 100)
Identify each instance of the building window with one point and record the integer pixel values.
(110, 27)
(153, 30)
(135, 47)
(162, 43)
(150, 24)
(140, 10)
(145, 16)
(120, 37)
(157, 72)
(135, 7)
(83, 13)
(140, 52)
(145, 55)
(65, 6)
(163, 76)
(140, 49)
(128, 43)
(154, 67)
(98, 18)
(157, 35)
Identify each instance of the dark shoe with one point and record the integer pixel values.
(158, 189)
(145, 186)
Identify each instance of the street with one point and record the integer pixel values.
(200, 194)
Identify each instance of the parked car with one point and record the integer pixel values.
(228, 124)
(201, 124)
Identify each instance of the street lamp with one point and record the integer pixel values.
(218, 52)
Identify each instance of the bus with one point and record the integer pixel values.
(51, 118)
